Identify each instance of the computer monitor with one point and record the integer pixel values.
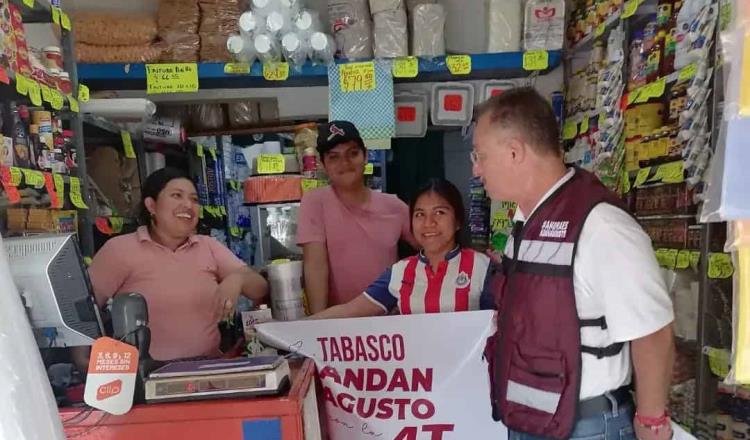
(52, 281)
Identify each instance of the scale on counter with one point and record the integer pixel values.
(218, 379)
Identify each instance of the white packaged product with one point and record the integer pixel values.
(390, 33)
(296, 50)
(351, 27)
(385, 5)
(267, 48)
(505, 25)
(465, 26)
(241, 49)
(323, 48)
(165, 131)
(250, 23)
(428, 30)
(279, 22)
(307, 23)
(264, 7)
(544, 24)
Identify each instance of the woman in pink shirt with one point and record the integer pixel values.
(349, 234)
(190, 281)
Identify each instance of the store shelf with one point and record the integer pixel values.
(286, 128)
(212, 76)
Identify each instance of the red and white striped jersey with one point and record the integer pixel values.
(458, 285)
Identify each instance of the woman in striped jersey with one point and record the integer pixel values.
(442, 277)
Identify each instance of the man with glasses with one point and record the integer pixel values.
(583, 312)
(349, 233)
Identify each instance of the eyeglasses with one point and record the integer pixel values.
(476, 157)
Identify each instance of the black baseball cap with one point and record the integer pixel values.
(335, 133)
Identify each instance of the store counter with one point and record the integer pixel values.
(289, 417)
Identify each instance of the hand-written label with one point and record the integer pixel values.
(670, 258)
(309, 184)
(75, 193)
(57, 100)
(584, 125)
(237, 68)
(127, 144)
(535, 60)
(22, 85)
(56, 15)
(720, 266)
(695, 257)
(654, 90)
(35, 93)
(570, 130)
(458, 64)
(73, 103)
(65, 21)
(171, 78)
(670, 172)
(46, 93)
(60, 189)
(275, 71)
(271, 164)
(688, 72)
(630, 7)
(15, 176)
(683, 259)
(405, 67)
(642, 176)
(369, 169)
(357, 77)
(33, 178)
(83, 93)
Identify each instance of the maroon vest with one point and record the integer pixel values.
(535, 356)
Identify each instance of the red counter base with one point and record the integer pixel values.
(290, 417)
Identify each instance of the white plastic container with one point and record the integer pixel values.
(505, 25)
(452, 104)
(494, 87)
(544, 24)
(411, 114)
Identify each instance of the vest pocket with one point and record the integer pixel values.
(536, 381)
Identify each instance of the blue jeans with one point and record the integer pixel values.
(612, 425)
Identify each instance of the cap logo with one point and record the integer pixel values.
(335, 131)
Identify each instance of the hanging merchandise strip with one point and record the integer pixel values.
(127, 144)
(59, 189)
(73, 103)
(75, 193)
(35, 93)
(171, 78)
(720, 266)
(33, 178)
(83, 93)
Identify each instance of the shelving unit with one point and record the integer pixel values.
(212, 75)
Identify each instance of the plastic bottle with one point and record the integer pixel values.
(309, 163)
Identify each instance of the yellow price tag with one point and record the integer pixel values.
(629, 9)
(235, 185)
(75, 193)
(22, 85)
(683, 259)
(660, 256)
(56, 15)
(212, 152)
(670, 258)
(584, 125)
(35, 93)
(275, 71)
(633, 96)
(308, 185)
(670, 172)
(720, 266)
(116, 223)
(405, 67)
(688, 72)
(237, 68)
(57, 100)
(600, 30)
(223, 210)
(654, 90)
(642, 176)
(65, 21)
(570, 130)
(235, 231)
(199, 150)
(535, 60)
(625, 183)
(83, 93)
(357, 77)
(73, 103)
(369, 169)
(29, 3)
(171, 78)
(281, 261)
(695, 258)
(33, 178)
(59, 189)
(15, 176)
(127, 144)
(271, 164)
(46, 93)
(458, 64)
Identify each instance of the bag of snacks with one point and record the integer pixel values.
(110, 29)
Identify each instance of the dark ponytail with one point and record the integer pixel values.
(155, 183)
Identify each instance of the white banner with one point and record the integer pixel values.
(399, 377)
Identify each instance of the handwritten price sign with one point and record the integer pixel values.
(405, 67)
(171, 78)
(271, 164)
(535, 60)
(276, 71)
(458, 64)
(357, 77)
(237, 68)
